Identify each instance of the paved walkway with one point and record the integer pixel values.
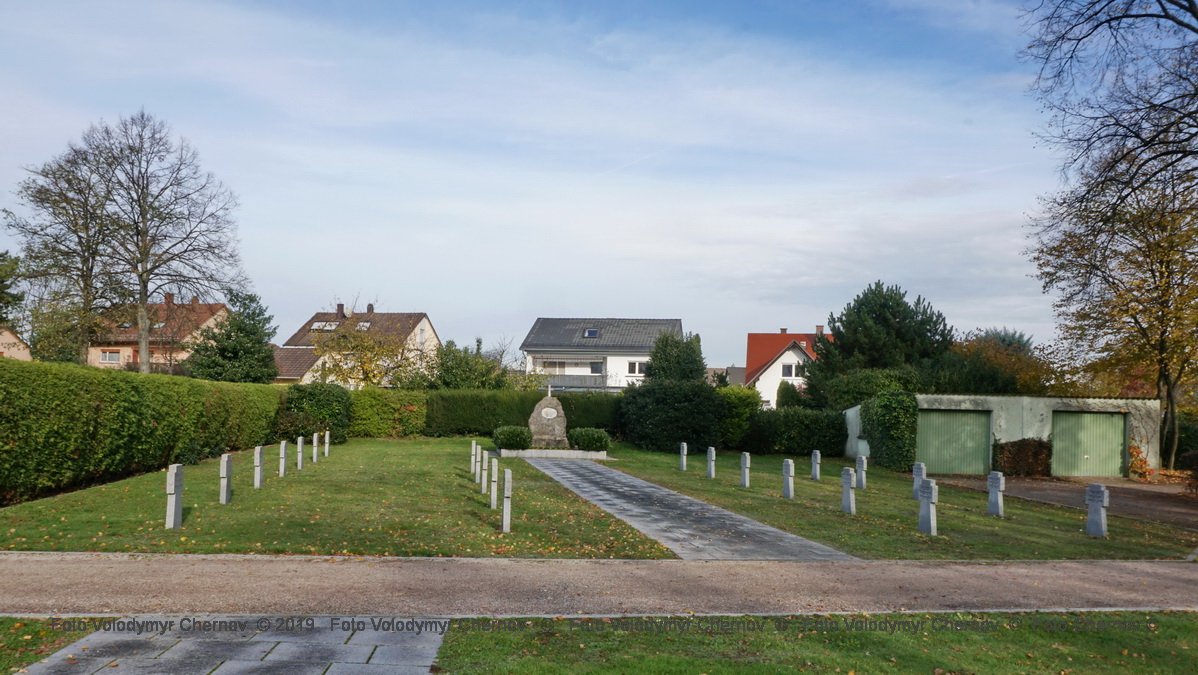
(226, 645)
(692, 529)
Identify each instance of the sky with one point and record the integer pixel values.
(742, 166)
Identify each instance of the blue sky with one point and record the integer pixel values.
(741, 166)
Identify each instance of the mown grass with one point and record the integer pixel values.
(992, 643)
(370, 497)
(24, 641)
(886, 524)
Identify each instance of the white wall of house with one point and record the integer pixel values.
(618, 367)
(777, 373)
(13, 347)
(614, 367)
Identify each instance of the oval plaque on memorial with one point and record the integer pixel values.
(548, 413)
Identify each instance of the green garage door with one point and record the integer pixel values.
(954, 441)
(1087, 444)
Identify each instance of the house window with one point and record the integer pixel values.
(363, 325)
(325, 325)
(596, 367)
(554, 367)
(788, 370)
(109, 356)
(590, 333)
(637, 367)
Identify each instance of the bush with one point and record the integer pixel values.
(741, 405)
(290, 425)
(595, 440)
(588, 410)
(889, 422)
(660, 415)
(330, 404)
(386, 413)
(788, 396)
(798, 431)
(1025, 457)
(66, 426)
(512, 438)
(465, 412)
(856, 386)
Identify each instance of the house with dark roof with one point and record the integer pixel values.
(593, 354)
(296, 358)
(774, 358)
(174, 326)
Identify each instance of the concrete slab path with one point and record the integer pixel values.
(692, 529)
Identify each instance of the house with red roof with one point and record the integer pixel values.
(774, 358)
(173, 327)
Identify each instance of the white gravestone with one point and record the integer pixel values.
(484, 483)
(174, 496)
(482, 459)
(711, 462)
(1098, 498)
(745, 462)
(682, 456)
(326, 442)
(507, 500)
(848, 498)
(473, 457)
(226, 478)
(995, 483)
(918, 472)
(494, 482)
(862, 465)
(299, 453)
(929, 495)
(788, 479)
(257, 467)
(282, 458)
(815, 460)
(315, 448)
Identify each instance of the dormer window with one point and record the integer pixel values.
(363, 325)
(590, 333)
(325, 325)
(125, 326)
(158, 326)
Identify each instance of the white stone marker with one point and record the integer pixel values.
(299, 453)
(226, 478)
(482, 459)
(862, 465)
(1098, 498)
(996, 483)
(483, 484)
(711, 462)
(918, 472)
(848, 498)
(788, 479)
(507, 500)
(473, 456)
(744, 469)
(929, 494)
(682, 456)
(315, 447)
(174, 496)
(258, 467)
(815, 460)
(282, 458)
(494, 482)
(326, 442)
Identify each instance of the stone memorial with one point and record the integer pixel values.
(315, 448)
(299, 452)
(862, 464)
(815, 460)
(548, 424)
(494, 482)
(282, 458)
(1098, 498)
(326, 442)
(788, 479)
(711, 462)
(744, 469)
(848, 498)
(929, 495)
(507, 500)
(484, 484)
(682, 456)
(918, 472)
(226, 478)
(174, 496)
(995, 483)
(258, 467)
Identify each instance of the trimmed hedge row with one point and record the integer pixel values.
(889, 422)
(387, 413)
(462, 412)
(797, 431)
(64, 426)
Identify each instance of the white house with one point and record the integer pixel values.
(774, 358)
(593, 354)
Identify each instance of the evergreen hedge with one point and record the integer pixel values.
(478, 412)
(741, 406)
(797, 431)
(889, 422)
(387, 413)
(659, 415)
(593, 440)
(329, 404)
(512, 438)
(65, 426)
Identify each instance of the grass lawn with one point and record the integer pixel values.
(992, 643)
(370, 497)
(887, 517)
(23, 641)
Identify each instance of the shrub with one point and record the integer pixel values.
(1025, 457)
(856, 386)
(512, 438)
(741, 405)
(66, 426)
(660, 415)
(386, 413)
(588, 409)
(290, 425)
(889, 422)
(462, 412)
(584, 438)
(788, 396)
(798, 431)
(330, 404)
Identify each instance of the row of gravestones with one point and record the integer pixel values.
(478, 465)
(925, 489)
(174, 476)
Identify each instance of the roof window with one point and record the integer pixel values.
(590, 333)
(363, 325)
(325, 325)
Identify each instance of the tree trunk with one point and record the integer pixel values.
(143, 327)
(1174, 426)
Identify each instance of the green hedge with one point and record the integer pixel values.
(741, 406)
(387, 413)
(661, 414)
(858, 386)
(512, 438)
(65, 426)
(329, 404)
(889, 422)
(592, 440)
(797, 431)
(477, 412)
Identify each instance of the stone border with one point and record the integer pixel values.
(552, 453)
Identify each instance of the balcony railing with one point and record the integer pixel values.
(578, 381)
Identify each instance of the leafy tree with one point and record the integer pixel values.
(465, 368)
(788, 396)
(362, 358)
(1009, 339)
(676, 358)
(993, 362)
(237, 348)
(9, 298)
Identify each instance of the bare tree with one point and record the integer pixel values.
(171, 223)
(1120, 78)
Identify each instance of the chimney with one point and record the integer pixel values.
(819, 330)
(782, 330)
(341, 310)
(370, 308)
(168, 298)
